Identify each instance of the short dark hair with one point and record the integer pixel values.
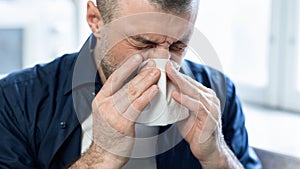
(174, 6)
(107, 7)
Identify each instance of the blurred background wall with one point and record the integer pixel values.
(257, 42)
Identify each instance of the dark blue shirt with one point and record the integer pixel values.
(42, 107)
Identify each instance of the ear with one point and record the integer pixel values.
(94, 18)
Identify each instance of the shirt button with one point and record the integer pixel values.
(63, 125)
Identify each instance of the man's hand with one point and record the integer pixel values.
(202, 130)
(115, 110)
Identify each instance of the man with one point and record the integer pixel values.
(42, 108)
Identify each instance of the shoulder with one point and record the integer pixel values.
(23, 93)
(35, 92)
(40, 72)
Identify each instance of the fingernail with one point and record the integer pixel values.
(170, 66)
(154, 72)
(150, 63)
(137, 58)
(154, 89)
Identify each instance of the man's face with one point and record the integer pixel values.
(141, 28)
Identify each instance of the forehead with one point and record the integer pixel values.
(151, 23)
(137, 17)
(129, 7)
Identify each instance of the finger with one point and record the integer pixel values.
(192, 104)
(205, 122)
(185, 86)
(209, 94)
(117, 78)
(148, 65)
(207, 130)
(199, 85)
(135, 109)
(200, 110)
(134, 89)
(186, 127)
(178, 80)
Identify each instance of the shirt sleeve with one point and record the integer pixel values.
(15, 150)
(234, 129)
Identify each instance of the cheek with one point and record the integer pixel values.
(121, 52)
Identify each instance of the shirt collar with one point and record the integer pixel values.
(84, 70)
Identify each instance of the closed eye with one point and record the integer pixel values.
(140, 43)
(178, 46)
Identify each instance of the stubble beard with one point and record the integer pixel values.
(106, 59)
(107, 65)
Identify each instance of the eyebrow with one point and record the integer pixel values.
(142, 39)
(145, 40)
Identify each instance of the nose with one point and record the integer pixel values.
(157, 53)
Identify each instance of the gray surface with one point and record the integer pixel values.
(271, 160)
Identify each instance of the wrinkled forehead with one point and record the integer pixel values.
(150, 23)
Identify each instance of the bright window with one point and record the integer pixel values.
(298, 51)
(38, 32)
(11, 49)
(298, 73)
(250, 33)
(254, 41)
(239, 32)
